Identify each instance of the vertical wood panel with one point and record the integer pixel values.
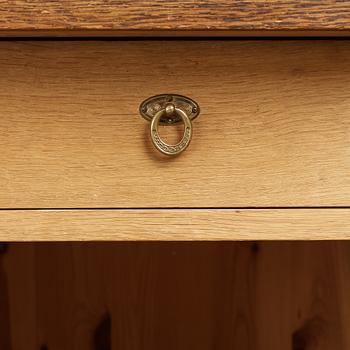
(70, 303)
(20, 291)
(316, 317)
(301, 297)
(175, 296)
(5, 337)
(271, 302)
(178, 295)
(342, 271)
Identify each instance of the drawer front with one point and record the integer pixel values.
(274, 128)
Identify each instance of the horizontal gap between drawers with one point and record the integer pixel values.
(177, 38)
(172, 33)
(176, 208)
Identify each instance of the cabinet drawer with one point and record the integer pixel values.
(274, 128)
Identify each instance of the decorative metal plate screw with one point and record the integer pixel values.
(169, 109)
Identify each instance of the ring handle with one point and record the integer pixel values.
(168, 149)
(170, 109)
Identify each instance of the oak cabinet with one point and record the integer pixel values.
(239, 242)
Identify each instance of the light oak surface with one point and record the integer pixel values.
(274, 128)
(178, 295)
(102, 15)
(175, 225)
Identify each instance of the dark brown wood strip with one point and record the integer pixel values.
(205, 15)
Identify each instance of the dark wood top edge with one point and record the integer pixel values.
(207, 16)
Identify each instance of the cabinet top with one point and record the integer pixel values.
(187, 17)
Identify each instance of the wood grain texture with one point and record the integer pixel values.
(18, 285)
(5, 321)
(274, 128)
(179, 295)
(118, 15)
(175, 225)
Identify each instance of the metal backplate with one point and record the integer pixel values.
(152, 105)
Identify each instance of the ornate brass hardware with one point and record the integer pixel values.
(169, 109)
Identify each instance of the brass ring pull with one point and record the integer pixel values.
(171, 150)
(167, 110)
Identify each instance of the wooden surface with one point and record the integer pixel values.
(247, 296)
(274, 128)
(175, 225)
(203, 15)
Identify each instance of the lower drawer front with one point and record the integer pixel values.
(274, 128)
